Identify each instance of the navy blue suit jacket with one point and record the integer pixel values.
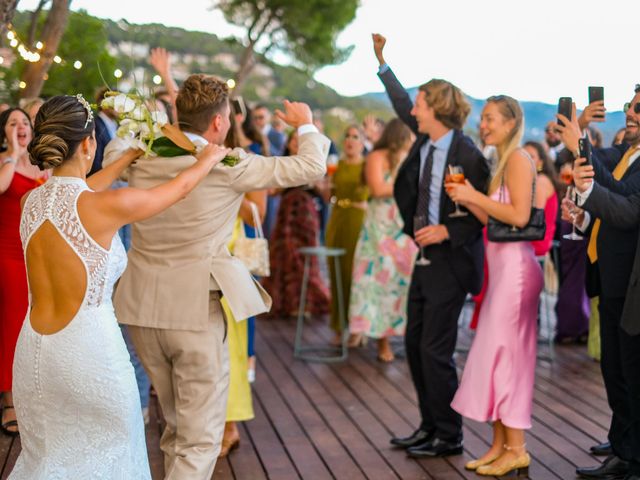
(464, 251)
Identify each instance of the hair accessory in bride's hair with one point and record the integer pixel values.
(87, 107)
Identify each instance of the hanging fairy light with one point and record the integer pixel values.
(157, 79)
(27, 54)
(22, 85)
(77, 64)
(117, 73)
(231, 83)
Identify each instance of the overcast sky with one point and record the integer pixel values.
(532, 50)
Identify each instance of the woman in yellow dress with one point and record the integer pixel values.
(239, 401)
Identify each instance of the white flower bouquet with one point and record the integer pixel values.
(149, 130)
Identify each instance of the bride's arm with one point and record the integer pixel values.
(102, 179)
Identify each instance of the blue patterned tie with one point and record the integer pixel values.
(424, 185)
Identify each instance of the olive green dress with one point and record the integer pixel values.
(343, 229)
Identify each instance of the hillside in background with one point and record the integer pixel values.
(536, 114)
(128, 48)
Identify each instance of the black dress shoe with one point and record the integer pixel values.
(435, 448)
(613, 468)
(416, 438)
(603, 449)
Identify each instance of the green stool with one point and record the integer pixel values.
(325, 354)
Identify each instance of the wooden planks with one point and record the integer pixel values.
(319, 421)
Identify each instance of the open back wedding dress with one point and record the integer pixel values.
(75, 392)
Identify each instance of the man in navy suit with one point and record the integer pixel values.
(613, 242)
(106, 126)
(453, 246)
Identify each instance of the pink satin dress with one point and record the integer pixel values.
(497, 382)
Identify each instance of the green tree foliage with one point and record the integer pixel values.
(306, 30)
(85, 39)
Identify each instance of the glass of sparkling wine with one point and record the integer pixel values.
(419, 222)
(455, 175)
(573, 212)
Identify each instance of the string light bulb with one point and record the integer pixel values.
(157, 79)
(39, 45)
(231, 83)
(57, 59)
(22, 85)
(117, 73)
(77, 64)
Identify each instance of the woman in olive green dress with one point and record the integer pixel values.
(349, 202)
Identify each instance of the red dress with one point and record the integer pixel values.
(13, 276)
(297, 225)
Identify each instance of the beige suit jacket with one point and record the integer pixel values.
(179, 255)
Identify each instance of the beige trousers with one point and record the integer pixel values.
(190, 372)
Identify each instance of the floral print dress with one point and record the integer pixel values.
(382, 268)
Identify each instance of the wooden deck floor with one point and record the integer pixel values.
(319, 421)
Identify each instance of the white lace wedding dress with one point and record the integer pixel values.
(75, 391)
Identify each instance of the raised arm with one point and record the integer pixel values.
(160, 59)
(255, 172)
(104, 212)
(620, 211)
(399, 97)
(11, 156)
(102, 179)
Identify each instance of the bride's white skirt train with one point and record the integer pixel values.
(77, 403)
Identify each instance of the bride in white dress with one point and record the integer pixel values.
(75, 391)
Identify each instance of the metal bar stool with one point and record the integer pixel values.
(325, 354)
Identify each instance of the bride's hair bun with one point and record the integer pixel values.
(61, 124)
(48, 151)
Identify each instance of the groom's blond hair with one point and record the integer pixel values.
(200, 98)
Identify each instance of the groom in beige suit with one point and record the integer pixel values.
(179, 267)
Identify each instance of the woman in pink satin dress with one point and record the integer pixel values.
(497, 382)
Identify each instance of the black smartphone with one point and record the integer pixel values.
(596, 94)
(239, 107)
(565, 107)
(584, 146)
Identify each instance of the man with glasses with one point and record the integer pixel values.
(553, 143)
(614, 229)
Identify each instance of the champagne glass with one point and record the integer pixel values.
(419, 222)
(573, 212)
(456, 175)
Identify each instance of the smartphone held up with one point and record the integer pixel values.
(596, 94)
(565, 107)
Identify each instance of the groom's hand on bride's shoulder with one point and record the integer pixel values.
(295, 114)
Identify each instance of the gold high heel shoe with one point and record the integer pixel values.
(520, 465)
(475, 464)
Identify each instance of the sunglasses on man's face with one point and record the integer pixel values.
(636, 107)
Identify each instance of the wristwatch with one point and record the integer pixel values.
(9, 160)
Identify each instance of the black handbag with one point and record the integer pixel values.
(498, 231)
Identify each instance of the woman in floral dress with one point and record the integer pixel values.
(384, 255)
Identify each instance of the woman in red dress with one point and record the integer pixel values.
(17, 177)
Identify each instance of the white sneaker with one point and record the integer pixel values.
(251, 375)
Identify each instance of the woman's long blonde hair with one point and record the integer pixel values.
(510, 109)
